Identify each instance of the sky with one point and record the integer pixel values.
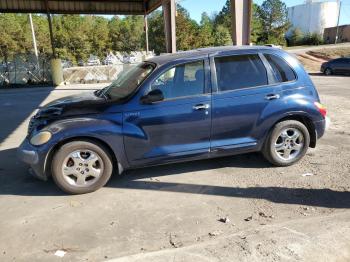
(211, 6)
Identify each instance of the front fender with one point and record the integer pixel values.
(107, 129)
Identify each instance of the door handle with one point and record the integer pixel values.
(272, 96)
(201, 106)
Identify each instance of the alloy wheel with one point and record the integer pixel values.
(82, 168)
(289, 144)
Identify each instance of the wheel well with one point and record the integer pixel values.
(80, 138)
(307, 122)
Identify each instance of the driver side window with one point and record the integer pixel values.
(182, 81)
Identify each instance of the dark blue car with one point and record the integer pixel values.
(191, 105)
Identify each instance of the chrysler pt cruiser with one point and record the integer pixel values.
(186, 106)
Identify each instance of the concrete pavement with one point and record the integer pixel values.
(180, 205)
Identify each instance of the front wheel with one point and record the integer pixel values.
(287, 143)
(80, 167)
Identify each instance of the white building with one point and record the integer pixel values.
(314, 16)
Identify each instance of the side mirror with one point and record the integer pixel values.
(155, 95)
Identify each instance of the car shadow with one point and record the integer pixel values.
(14, 180)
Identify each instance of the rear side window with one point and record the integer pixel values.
(240, 71)
(281, 69)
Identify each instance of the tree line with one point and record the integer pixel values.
(78, 36)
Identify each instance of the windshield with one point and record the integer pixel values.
(128, 80)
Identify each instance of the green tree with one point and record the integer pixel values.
(186, 30)
(273, 15)
(205, 34)
(256, 25)
(156, 32)
(296, 37)
(114, 28)
(71, 36)
(132, 33)
(224, 16)
(222, 36)
(41, 28)
(99, 36)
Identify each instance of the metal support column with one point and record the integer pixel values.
(169, 12)
(146, 33)
(145, 7)
(56, 65)
(33, 36)
(337, 31)
(241, 13)
(51, 36)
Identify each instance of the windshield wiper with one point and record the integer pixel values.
(101, 93)
(97, 92)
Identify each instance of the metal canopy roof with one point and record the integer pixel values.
(123, 7)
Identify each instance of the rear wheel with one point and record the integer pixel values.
(80, 167)
(328, 71)
(287, 143)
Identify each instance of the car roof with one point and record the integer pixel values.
(197, 53)
(340, 58)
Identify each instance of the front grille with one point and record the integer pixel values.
(33, 123)
(31, 126)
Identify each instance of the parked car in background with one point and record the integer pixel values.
(186, 106)
(129, 59)
(336, 66)
(93, 61)
(81, 63)
(274, 46)
(111, 59)
(66, 63)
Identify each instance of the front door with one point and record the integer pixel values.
(177, 127)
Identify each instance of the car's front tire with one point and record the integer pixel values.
(287, 143)
(80, 167)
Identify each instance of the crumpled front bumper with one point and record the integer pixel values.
(34, 157)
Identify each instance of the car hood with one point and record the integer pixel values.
(88, 97)
(81, 104)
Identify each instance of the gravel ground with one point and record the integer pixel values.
(179, 205)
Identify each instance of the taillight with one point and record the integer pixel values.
(321, 108)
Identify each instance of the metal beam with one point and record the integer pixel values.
(123, 7)
(169, 12)
(241, 15)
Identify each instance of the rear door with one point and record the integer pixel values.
(242, 92)
(339, 66)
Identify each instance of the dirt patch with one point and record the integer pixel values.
(310, 63)
(330, 53)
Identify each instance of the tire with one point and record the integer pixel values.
(287, 136)
(81, 167)
(328, 71)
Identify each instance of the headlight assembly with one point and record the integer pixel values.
(40, 138)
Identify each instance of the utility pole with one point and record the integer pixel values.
(34, 39)
(145, 7)
(146, 33)
(337, 32)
